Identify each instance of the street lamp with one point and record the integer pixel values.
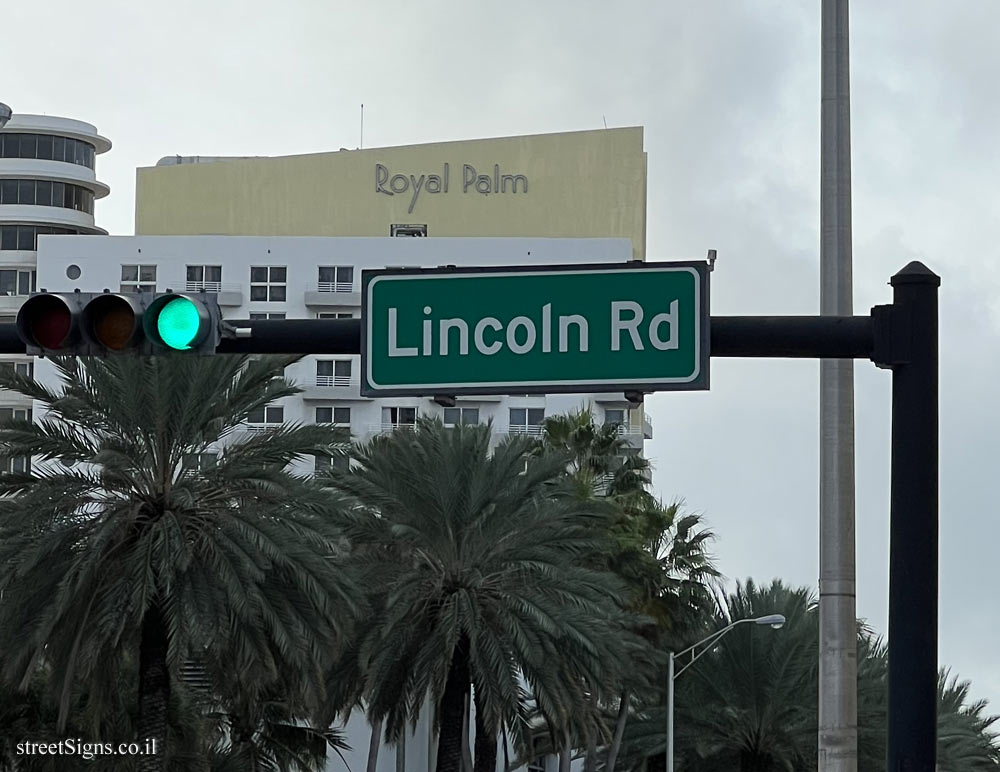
(5, 114)
(774, 620)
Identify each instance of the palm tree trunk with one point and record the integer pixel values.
(449, 755)
(373, 745)
(401, 752)
(154, 688)
(486, 741)
(565, 753)
(656, 763)
(616, 742)
(466, 753)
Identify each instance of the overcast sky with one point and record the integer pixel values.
(728, 93)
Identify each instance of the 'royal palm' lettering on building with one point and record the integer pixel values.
(397, 184)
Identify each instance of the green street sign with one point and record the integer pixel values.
(535, 329)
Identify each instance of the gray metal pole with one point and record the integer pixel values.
(670, 714)
(838, 681)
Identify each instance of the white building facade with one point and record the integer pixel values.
(320, 277)
(48, 185)
(315, 277)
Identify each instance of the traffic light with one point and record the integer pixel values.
(95, 324)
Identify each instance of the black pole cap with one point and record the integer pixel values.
(916, 273)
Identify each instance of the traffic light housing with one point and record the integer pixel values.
(96, 324)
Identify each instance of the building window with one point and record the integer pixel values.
(407, 230)
(18, 465)
(198, 462)
(333, 372)
(25, 237)
(46, 193)
(453, 416)
(334, 315)
(266, 417)
(24, 369)
(396, 417)
(339, 463)
(272, 315)
(15, 282)
(138, 278)
(204, 277)
(526, 420)
(15, 413)
(618, 418)
(268, 283)
(47, 148)
(338, 278)
(341, 416)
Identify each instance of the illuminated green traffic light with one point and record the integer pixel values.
(178, 324)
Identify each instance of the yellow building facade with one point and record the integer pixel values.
(585, 184)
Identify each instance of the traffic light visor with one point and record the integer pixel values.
(46, 321)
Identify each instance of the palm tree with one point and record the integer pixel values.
(660, 552)
(109, 544)
(480, 560)
(751, 703)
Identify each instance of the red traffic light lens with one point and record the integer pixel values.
(46, 321)
(111, 322)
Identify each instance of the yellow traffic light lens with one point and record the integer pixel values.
(114, 327)
(178, 324)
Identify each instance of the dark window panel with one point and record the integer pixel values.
(11, 145)
(277, 293)
(8, 191)
(258, 275)
(45, 147)
(59, 149)
(26, 191)
(8, 237)
(29, 146)
(25, 237)
(8, 282)
(43, 193)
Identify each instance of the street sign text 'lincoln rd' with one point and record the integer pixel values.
(533, 329)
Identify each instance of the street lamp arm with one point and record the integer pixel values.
(710, 641)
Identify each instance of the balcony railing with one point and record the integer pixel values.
(385, 428)
(210, 286)
(624, 430)
(535, 430)
(335, 286)
(333, 380)
(261, 428)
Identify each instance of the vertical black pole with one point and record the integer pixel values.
(913, 529)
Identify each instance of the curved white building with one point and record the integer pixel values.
(47, 186)
(47, 180)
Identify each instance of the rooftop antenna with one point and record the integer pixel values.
(605, 122)
(362, 126)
